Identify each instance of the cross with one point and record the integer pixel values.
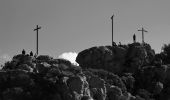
(143, 30)
(36, 29)
(112, 28)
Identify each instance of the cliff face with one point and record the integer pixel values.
(124, 72)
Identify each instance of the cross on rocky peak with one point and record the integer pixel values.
(36, 29)
(143, 30)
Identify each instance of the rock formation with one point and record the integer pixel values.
(123, 72)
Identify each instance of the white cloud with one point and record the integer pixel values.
(71, 56)
(4, 58)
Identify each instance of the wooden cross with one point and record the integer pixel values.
(112, 28)
(36, 29)
(143, 30)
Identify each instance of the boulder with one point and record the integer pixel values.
(23, 59)
(77, 84)
(98, 94)
(167, 79)
(25, 67)
(160, 73)
(44, 58)
(129, 81)
(144, 94)
(98, 83)
(86, 98)
(114, 93)
(43, 67)
(104, 57)
(158, 88)
(127, 96)
(135, 57)
(116, 59)
(16, 93)
(115, 80)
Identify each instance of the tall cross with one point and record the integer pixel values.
(143, 30)
(112, 28)
(36, 29)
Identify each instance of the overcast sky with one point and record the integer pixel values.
(75, 25)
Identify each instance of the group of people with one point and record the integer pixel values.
(24, 52)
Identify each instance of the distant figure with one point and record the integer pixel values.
(31, 53)
(114, 43)
(23, 52)
(134, 38)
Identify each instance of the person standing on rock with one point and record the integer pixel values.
(31, 53)
(134, 38)
(23, 52)
(114, 43)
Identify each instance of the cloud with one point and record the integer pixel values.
(71, 56)
(4, 58)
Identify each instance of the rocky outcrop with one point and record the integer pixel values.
(124, 72)
(117, 58)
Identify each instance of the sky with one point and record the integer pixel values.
(75, 25)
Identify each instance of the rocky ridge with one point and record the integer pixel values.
(124, 72)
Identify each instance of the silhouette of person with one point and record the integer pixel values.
(31, 53)
(23, 52)
(114, 43)
(134, 38)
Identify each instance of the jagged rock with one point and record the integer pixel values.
(135, 57)
(53, 72)
(44, 58)
(145, 78)
(98, 83)
(23, 59)
(77, 84)
(165, 94)
(127, 96)
(63, 66)
(98, 94)
(18, 78)
(16, 93)
(144, 94)
(167, 79)
(129, 81)
(114, 93)
(115, 80)
(25, 67)
(107, 73)
(102, 57)
(139, 98)
(116, 59)
(86, 98)
(158, 88)
(149, 76)
(10, 65)
(150, 54)
(56, 97)
(160, 73)
(43, 67)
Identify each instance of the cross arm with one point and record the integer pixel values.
(112, 17)
(145, 31)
